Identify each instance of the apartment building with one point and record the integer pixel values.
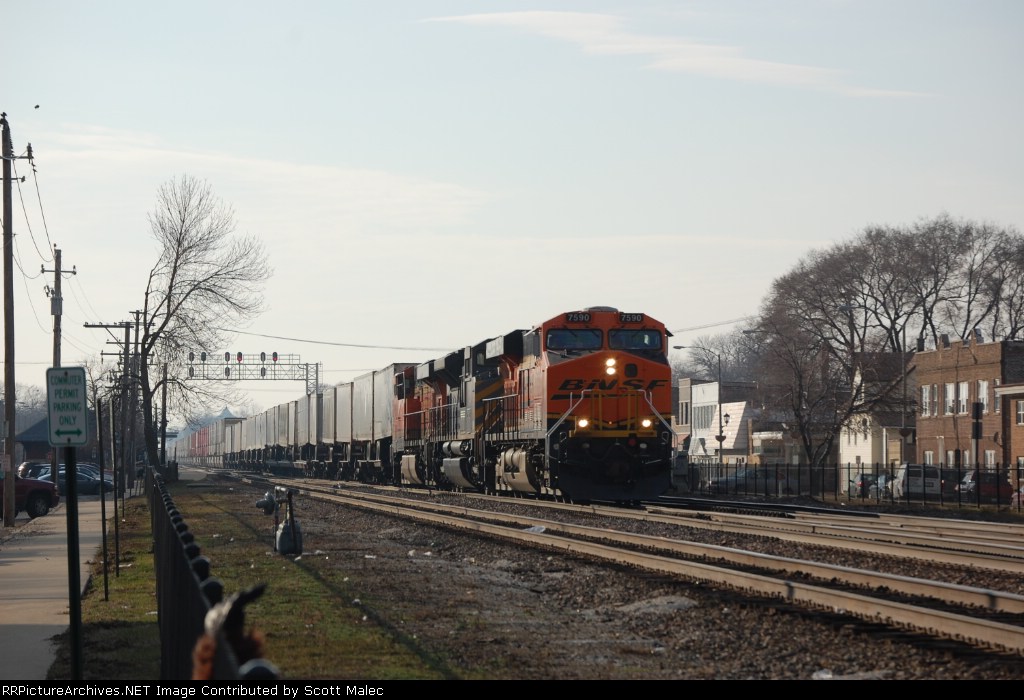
(962, 410)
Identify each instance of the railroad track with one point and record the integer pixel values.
(981, 617)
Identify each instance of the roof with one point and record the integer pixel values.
(37, 432)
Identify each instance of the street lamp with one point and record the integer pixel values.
(721, 434)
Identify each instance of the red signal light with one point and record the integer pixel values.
(274, 357)
(239, 358)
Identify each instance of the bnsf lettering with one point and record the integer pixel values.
(577, 317)
(631, 318)
(602, 385)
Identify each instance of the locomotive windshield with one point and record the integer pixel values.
(623, 339)
(574, 339)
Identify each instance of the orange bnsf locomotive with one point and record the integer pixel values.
(575, 407)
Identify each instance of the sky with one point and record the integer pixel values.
(427, 175)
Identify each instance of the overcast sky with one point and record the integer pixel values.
(426, 175)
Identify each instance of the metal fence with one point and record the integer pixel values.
(957, 486)
(185, 591)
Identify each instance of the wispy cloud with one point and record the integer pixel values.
(276, 193)
(604, 35)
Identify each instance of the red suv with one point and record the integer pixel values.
(990, 487)
(34, 496)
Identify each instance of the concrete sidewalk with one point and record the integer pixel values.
(35, 583)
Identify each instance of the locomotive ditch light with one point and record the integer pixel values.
(582, 423)
(647, 422)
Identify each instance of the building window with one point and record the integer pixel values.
(935, 400)
(947, 398)
(983, 394)
(1020, 412)
(995, 399)
(702, 417)
(961, 398)
(684, 412)
(925, 399)
(950, 457)
(929, 457)
(990, 458)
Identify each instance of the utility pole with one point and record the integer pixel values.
(119, 476)
(56, 309)
(8, 466)
(163, 424)
(134, 401)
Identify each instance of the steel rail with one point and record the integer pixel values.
(961, 627)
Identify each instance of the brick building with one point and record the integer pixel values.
(1011, 401)
(959, 384)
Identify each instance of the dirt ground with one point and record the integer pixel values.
(490, 610)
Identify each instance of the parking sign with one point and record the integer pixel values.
(66, 406)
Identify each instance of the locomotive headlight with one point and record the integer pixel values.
(647, 422)
(582, 423)
(609, 370)
(610, 362)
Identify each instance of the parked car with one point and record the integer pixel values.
(917, 481)
(747, 480)
(987, 486)
(87, 480)
(93, 470)
(31, 470)
(34, 496)
(950, 480)
(869, 485)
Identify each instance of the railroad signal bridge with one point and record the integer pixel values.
(241, 366)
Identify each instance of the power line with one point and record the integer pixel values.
(710, 325)
(325, 342)
(24, 210)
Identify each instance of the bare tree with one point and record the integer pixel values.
(205, 280)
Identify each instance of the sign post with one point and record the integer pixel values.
(66, 416)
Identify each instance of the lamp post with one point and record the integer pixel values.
(721, 435)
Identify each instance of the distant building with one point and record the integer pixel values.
(965, 415)
(884, 437)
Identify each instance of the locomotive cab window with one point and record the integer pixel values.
(574, 339)
(623, 339)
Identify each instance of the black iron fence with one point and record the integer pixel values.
(995, 485)
(185, 594)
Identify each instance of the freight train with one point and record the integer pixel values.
(574, 408)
